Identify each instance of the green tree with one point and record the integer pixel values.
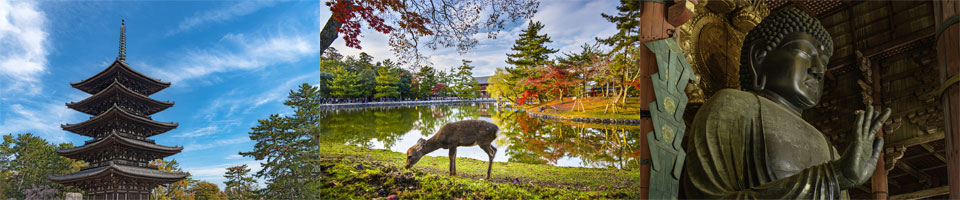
(324, 86)
(531, 52)
(26, 161)
(285, 147)
(176, 190)
(307, 113)
(405, 85)
(463, 84)
(628, 22)
(626, 49)
(344, 84)
(207, 191)
(387, 83)
(427, 78)
(239, 184)
(530, 47)
(368, 83)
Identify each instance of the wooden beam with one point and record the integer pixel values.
(931, 168)
(921, 176)
(932, 150)
(917, 156)
(918, 140)
(937, 191)
(888, 46)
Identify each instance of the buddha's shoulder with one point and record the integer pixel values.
(732, 98)
(728, 104)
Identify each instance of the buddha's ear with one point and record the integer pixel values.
(756, 51)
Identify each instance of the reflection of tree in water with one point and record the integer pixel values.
(432, 117)
(353, 126)
(523, 138)
(531, 140)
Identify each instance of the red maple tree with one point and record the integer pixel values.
(413, 23)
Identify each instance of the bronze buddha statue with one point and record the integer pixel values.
(753, 144)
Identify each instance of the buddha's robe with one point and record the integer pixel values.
(744, 146)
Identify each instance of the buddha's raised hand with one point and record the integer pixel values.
(859, 160)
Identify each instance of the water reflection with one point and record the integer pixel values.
(521, 139)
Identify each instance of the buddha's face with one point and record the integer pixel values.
(795, 69)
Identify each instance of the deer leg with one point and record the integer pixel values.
(453, 161)
(491, 151)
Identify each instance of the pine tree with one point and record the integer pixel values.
(625, 44)
(531, 52)
(464, 85)
(628, 22)
(368, 83)
(427, 78)
(530, 49)
(387, 83)
(240, 184)
(345, 83)
(405, 85)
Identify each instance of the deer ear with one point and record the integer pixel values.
(420, 144)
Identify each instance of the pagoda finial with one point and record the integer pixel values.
(123, 41)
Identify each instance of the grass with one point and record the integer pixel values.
(351, 172)
(594, 106)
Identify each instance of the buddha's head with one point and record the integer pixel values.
(786, 55)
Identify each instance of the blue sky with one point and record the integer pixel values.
(230, 63)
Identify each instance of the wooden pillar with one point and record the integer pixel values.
(657, 22)
(948, 57)
(879, 180)
(652, 20)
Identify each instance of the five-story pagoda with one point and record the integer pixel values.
(119, 153)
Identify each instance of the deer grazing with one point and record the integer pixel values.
(453, 135)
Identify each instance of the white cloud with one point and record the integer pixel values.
(216, 143)
(23, 47)
(254, 53)
(42, 119)
(200, 132)
(225, 106)
(233, 157)
(213, 16)
(281, 91)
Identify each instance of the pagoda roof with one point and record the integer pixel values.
(113, 138)
(116, 70)
(139, 173)
(88, 127)
(90, 104)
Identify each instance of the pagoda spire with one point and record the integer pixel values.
(123, 41)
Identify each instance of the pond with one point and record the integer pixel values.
(521, 138)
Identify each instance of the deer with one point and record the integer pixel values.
(453, 135)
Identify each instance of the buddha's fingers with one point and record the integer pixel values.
(879, 121)
(859, 128)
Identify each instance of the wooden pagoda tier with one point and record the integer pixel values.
(119, 153)
(119, 120)
(118, 149)
(119, 71)
(123, 97)
(118, 181)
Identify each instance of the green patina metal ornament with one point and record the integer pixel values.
(667, 114)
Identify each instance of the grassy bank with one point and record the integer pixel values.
(594, 107)
(355, 172)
